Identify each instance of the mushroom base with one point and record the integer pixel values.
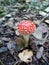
(26, 38)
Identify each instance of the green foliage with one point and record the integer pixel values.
(1, 10)
(21, 1)
(6, 2)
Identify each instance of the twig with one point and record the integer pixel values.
(45, 17)
(1, 62)
(17, 62)
(45, 61)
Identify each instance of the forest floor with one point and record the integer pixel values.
(9, 37)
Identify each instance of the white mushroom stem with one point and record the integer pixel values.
(26, 38)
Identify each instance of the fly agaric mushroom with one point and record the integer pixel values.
(26, 27)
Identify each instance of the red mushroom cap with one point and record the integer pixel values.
(26, 27)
